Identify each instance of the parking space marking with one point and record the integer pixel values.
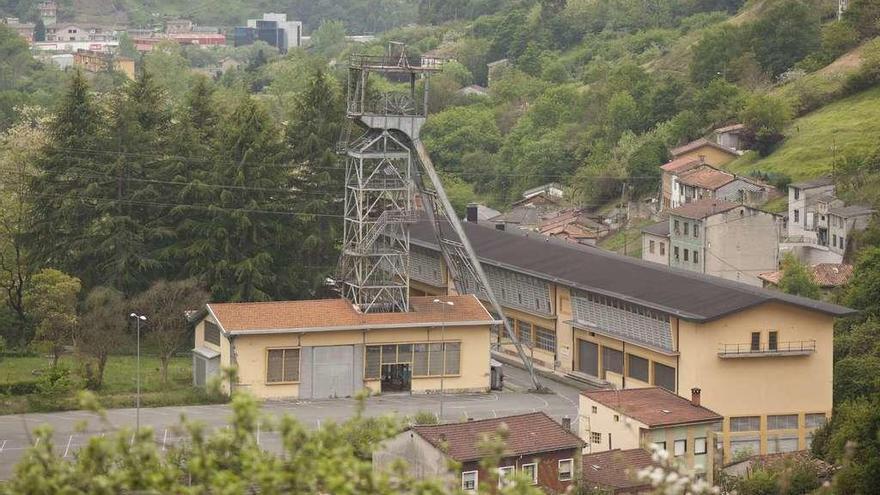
(2, 446)
(67, 449)
(164, 438)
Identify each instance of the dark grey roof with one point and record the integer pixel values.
(809, 184)
(851, 211)
(659, 228)
(520, 215)
(689, 295)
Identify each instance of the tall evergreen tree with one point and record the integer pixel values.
(316, 180)
(245, 233)
(64, 200)
(130, 232)
(189, 173)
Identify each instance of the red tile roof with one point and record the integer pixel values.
(703, 208)
(699, 143)
(653, 406)
(825, 274)
(706, 177)
(681, 164)
(295, 316)
(531, 433)
(616, 469)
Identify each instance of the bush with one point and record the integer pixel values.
(18, 388)
(869, 72)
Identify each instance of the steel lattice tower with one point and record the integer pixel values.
(384, 169)
(379, 182)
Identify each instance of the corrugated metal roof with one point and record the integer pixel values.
(688, 295)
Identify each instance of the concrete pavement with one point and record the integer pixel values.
(15, 437)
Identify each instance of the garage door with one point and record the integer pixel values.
(332, 371)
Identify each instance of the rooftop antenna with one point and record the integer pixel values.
(384, 169)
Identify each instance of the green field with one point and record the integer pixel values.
(118, 389)
(850, 125)
(628, 241)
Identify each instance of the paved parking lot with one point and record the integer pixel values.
(15, 430)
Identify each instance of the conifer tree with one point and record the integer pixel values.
(246, 234)
(316, 179)
(130, 233)
(64, 190)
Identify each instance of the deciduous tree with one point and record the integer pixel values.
(52, 298)
(166, 304)
(101, 331)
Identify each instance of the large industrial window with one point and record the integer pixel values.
(815, 420)
(782, 422)
(545, 339)
(524, 332)
(612, 360)
(282, 365)
(372, 368)
(745, 423)
(664, 376)
(638, 367)
(212, 333)
(426, 359)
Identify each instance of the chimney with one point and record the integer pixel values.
(499, 226)
(566, 423)
(471, 213)
(695, 397)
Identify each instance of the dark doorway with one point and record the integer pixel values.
(396, 378)
(588, 357)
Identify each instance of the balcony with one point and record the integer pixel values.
(782, 349)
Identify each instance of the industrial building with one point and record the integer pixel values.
(757, 355)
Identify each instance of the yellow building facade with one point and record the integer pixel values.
(326, 348)
(762, 359)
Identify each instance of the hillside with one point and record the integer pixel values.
(850, 125)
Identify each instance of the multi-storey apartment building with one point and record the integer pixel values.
(724, 239)
(757, 355)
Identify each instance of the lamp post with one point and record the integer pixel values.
(138, 319)
(443, 347)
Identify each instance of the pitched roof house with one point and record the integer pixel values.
(615, 471)
(650, 418)
(535, 446)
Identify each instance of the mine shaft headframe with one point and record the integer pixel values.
(395, 60)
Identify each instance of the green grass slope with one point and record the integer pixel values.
(850, 125)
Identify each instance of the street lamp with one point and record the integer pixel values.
(443, 347)
(138, 318)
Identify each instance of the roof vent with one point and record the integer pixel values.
(596, 467)
(665, 411)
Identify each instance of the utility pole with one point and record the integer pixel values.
(443, 340)
(138, 318)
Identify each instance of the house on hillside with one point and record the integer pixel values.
(615, 472)
(552, 190)
(820, 225)
(473, 90)
(648, 418)
(574, 225)
(536, 447)
(327, 348)
(686, 179)
(724, 239)
(79, 32)
(95, 62)
(828, 276)
(732, 136)
(708, 151)
(655, 243)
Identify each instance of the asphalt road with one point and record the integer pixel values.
(15, 437)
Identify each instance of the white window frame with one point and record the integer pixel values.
(476, 481)
(505, 473)
(570, 462)
(534, 466)
(705, 445)
(684, 447)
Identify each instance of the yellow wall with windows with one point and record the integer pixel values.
(627, 348)
(250, 355)
(760, 386)
(713, 155)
